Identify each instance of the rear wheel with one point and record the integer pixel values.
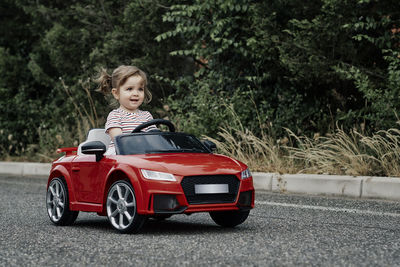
(57, 203)
(122, 208)
(229, 218)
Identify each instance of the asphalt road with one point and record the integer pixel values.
(281, 230)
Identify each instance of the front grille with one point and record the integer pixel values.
(188, 185)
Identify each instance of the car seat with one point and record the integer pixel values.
(97, 134)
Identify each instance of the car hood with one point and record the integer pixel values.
(185, 164)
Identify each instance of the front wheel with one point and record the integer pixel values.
(122, 208)
(229, 218)
(57, 203)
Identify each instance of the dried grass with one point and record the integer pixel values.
(385, 148)
(340, 153)
(259, 153)
(87, 117)
(262, 154)
(60, 135)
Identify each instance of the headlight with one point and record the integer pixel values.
(246, 174)
(152, 175)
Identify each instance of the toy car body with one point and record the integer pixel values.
(152, 174)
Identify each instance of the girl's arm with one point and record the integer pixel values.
(113, 132)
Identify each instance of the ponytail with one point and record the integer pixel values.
(105, 82)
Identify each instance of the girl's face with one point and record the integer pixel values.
(130, 95)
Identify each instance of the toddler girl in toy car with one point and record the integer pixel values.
(128, 85)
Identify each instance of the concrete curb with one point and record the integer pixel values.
(335, 185)
(25, 168)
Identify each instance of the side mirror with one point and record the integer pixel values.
(94, 147)
(210, 145)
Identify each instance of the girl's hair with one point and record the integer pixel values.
(118, 77)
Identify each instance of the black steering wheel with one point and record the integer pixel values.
(171, 127)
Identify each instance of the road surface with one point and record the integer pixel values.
(281, 230)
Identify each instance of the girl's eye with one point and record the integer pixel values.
(141, 89)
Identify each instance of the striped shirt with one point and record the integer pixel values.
(127, 121)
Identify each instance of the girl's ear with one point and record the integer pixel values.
(114, 91)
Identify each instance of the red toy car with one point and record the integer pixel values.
(152, 174)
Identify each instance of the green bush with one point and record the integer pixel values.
(303, 65)
(278, 64)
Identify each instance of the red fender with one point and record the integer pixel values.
(58, 171)
(130, 174)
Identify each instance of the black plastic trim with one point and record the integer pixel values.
(179, 210)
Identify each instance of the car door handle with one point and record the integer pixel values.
(76, 169)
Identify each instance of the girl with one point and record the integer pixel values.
(128, 85)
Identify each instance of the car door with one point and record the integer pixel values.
(88, 176)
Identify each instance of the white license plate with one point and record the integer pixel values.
(211, 188)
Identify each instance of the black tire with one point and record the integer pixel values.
(229, 218)
(121, 208)
(57, 203)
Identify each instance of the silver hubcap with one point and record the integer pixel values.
(121, 206)
(55, 200)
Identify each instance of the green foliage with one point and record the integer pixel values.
(299, 65)
(277, 64)
(56, 50)
(218, 37)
